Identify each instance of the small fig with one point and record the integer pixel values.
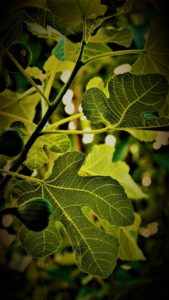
(22, 54)
(34, 214)
(11, 142)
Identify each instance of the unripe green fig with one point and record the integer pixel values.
(21, 53)
(34, 214)
(4, 78)
(11, 142)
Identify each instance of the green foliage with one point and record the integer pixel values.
(129, 250)
(71, 14)
(131, 96)
(39, 153)
(94, 49)
(68, 197)
(11, 142)
(99, 162)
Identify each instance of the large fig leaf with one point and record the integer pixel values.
(96, 251)
(71, 14)
(134, 102)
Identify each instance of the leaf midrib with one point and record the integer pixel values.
(93, 194)
(70, 220)
(135, 101)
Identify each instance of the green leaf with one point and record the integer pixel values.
(43, 32)
(99, 83)
(96, 251)
(36, 73)
(40, 244)
(143, 135)
(58, 51)
(155, 57)
(54, 64)
(99, 162)
(94, 49)
(121, 36)
(129, 249)
(71, 50)
(38, 154)
(17, 107)
(37, 244)
(131, 96)
(71, 14)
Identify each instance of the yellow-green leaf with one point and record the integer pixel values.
(38, 154)
(128, 236)
(17, 107)
(99, 162)
(54, 64)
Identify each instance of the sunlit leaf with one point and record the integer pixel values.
(71, 50)
(96, 251)
(99, 162)
(36, 73)
(97, 82)
(54, 64)
(128, 236)
(131, 96)
(143, 135)
(38, 154)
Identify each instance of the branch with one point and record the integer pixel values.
(44, 120)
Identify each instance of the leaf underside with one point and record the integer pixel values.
(96, 251)
(132, 97)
